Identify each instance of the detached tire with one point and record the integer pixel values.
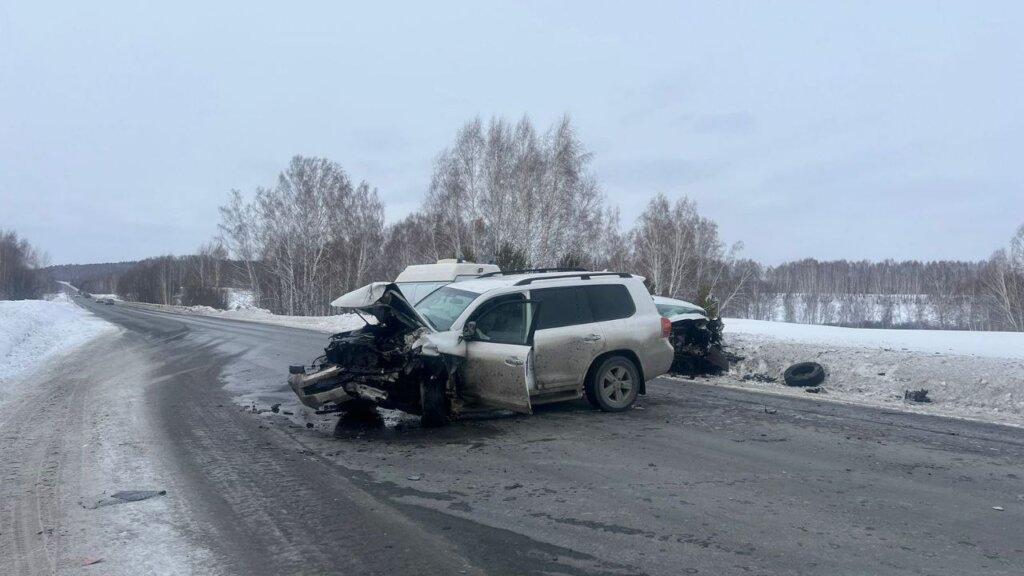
(613, 387)
(804, 374)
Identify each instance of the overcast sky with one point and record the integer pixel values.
(867, 130)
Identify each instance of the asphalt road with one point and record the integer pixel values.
(699, 479)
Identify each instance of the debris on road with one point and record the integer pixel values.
(91, 561)
(997, 508)
(916, 395)
(758, 377)
(125, 496)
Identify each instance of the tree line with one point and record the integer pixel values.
(520, 197)
(20, 263)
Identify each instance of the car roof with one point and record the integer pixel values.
(540, 279)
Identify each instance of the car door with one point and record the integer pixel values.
(498, 369)
(567, 340)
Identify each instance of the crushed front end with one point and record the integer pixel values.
(382, 362)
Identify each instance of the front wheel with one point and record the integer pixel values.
(434, 402)
(614, 385)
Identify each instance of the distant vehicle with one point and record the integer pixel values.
(107, 301)
(419, 280)
(501, 341)
(86, 295)
(697, 339)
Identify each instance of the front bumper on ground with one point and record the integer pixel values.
(328, 385)
(315, 390)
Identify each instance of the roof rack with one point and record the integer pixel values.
(583, 275)
(529, 271)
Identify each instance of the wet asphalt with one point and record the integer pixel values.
(699, 479)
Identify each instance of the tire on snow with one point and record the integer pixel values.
(804, 374)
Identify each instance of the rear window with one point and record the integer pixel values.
(610, 302)
(561, 307)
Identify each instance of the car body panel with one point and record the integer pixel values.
(496, 375)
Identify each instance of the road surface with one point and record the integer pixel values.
(699, 479)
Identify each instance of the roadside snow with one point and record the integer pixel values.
(328, 324)
(976, 375)
(240, 299)
(34, 331)
(989, 344)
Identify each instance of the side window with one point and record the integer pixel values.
(610, 302)
(483, 308)
(562, 307)
(507, 322)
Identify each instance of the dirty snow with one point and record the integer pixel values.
(35, 331)
(977, 375)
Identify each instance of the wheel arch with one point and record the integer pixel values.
(626, 353)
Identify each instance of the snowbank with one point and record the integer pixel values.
(331, 324)
(328, 324)
(240, 299)
(33, 331)
(978, 375)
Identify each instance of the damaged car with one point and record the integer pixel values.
(696, 339)
(501, 341)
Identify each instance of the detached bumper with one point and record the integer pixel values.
(317, 388)
(330, 385)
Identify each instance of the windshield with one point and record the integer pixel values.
(416, 291)
(443, 306)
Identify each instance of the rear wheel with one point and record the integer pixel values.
(614, 385)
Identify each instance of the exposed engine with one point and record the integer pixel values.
(377, 358)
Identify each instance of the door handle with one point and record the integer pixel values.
(592, 338)
(513, 361)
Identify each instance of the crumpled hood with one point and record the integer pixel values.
(385, 302)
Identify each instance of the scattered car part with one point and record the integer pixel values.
(804, 374)
(916, 395)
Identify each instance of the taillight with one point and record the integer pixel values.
(666, 327)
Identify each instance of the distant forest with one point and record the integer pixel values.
(508, 193)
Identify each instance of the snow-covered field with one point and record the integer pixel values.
(978, 375)
(35, 331)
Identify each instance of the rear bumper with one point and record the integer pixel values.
(657, 359)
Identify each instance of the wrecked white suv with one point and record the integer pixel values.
(497, 342)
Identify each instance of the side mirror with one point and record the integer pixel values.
(469, 330)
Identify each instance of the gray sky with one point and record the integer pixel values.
(805, 129)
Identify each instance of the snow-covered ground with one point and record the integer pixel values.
(240, 299)
(978, 375)
(35, 331)
(328, 324)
